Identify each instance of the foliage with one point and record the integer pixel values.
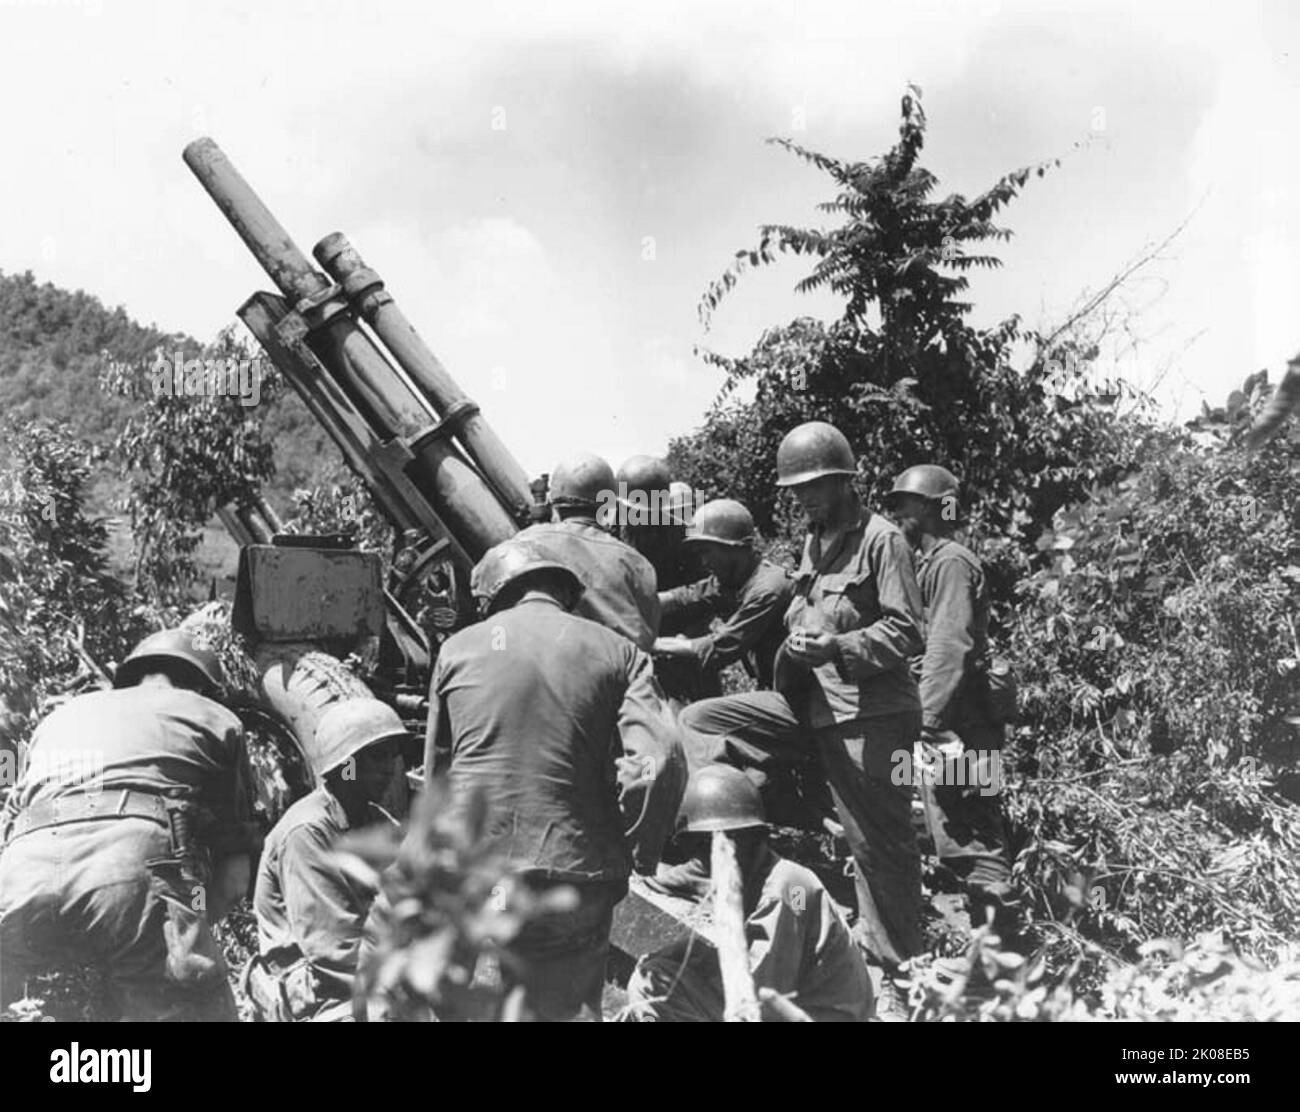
(183, 457)
(1207, 980)
(1158, 658)
(59, 608)
(447, 895)
(902, 373)
(341, 503)
(54, 346)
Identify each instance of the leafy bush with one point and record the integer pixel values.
(60, 610)
(1158, 655)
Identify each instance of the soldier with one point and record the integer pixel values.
(959, 728)
(128, 833)
(310, 912)
(652, 520)
(559, 720)
(799, 944)
(844, 693)
(749, 594)
(653, 513)
(619, 581)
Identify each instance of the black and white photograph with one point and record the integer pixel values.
(650, 512)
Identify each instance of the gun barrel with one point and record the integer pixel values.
(365, 291)
(263, 234)
(403, 421)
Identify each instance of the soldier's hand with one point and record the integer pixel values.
(811, 649)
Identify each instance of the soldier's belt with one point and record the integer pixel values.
(122, 803)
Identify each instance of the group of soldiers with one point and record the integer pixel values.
(586, 707)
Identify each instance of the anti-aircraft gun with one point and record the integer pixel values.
(431, 462)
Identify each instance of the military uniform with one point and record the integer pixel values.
(799, 946)
(857, 712)
(107, 860)
(559, 720)
(965, 819)
(310, 913)
(752, 617)
(619, 582)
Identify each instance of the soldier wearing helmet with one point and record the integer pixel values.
(653, 520)
(844, 692)
(129, 832)
(559, 722)
(653, 513)
(799, 944)
(310, 911)
(746, 594)
(618, 582)
(961, 730)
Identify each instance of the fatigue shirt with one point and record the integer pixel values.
(863, 590)
(800, 945)
(303, 898)
(164, 741)
(956, 596)
(752, 618)
(560, 721)
(619, 582)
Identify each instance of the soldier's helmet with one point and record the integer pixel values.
(170, 648)
(719, 797)
(505, 565)
(723, 521)
(350, 726)
(646, 474)
(580, 480)
(812, 450)
(926, 480)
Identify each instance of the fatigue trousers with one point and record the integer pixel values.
(112, 893)
(560, 956)
(963, 812)
(760, 731)
(681, 983)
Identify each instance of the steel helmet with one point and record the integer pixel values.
(723, 521)
(719, 797)
(348, 727)
(580, 480)
(926, 480)
(184, 646)
(647, 474)
(812, 450)
(507, 563)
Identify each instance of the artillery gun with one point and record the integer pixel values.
(431, 462)
(433, 466)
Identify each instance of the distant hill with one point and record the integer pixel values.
(52, 345)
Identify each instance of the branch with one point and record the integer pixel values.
(1092, 304)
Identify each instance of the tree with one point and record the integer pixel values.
(902, 372)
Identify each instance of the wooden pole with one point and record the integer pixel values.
(729, 926)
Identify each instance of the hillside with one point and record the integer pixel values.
(53, 345)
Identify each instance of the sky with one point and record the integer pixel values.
(548, 188)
